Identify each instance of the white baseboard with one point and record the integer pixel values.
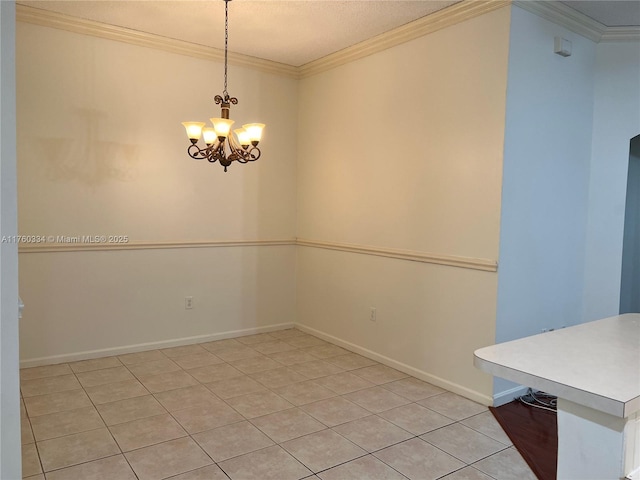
(409, 370)
(141, 347)
(508, 395)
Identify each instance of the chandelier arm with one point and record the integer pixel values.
(196, 152)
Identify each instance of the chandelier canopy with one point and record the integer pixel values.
(220, 143)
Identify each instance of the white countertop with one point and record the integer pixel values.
(596, 364)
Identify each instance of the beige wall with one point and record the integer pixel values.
(101, 151)
(403, 150)
(399, 150)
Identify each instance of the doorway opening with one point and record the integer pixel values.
(630, 284)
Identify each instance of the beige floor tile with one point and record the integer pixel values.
(376, 399)
(326, 351)
(272, 463)
(183, 350)
(316, 369)
(45, 371)
(351, 361)
(463, 443)
(205, 417)
(379, 374)
(453, 406)
(415, 418)
(30, 460)
(113, 392)
(146, 431)
(212, 472)
(278, 377)
(238, 352)
(232, 440)
(168, 381)
(344, 382)
(287, 424)
(368, 467)
(302, 393)
(418, 460)
(287, 333)
(292, 357)
(111, 468)
(467, 473)
(197, 360)
(303, 341)
(95, 364)
(43, 386)
(130, 409)
(335, 411)
(56, 402)
(234, 387)
(154, 367)
(139, 357)
(39, 476)
(321, 450)
(486, 423)
(273, 347)
(104, 376)
(506, 465)
(259, 404)
(373, 433)
(26, 434)
(212, 373)
(168, 459)
(77, 448)
(255, 339)
(413, 389)
(65, 423)
(255, 364)
(187, 397)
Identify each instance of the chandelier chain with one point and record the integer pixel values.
(226, 41)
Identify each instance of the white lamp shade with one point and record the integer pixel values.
(254, 130)
(222, 126)
(194, 129)
(209, 135)
(243, 137)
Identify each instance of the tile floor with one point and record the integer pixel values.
(279, 406)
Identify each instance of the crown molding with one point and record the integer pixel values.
(567, 17)
(446, 17)
(621, 34)
(467, 9)
(82, 26)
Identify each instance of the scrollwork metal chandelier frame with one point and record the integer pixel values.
(243, 145)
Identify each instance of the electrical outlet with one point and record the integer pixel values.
(188, 303)
(373, 314)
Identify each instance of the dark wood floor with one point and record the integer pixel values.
(534, 433)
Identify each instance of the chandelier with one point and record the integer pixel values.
(220, 144)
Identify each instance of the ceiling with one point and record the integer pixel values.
(293, 32)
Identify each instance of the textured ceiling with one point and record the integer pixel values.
(294, 32)
(290, 32)
(619, 13)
